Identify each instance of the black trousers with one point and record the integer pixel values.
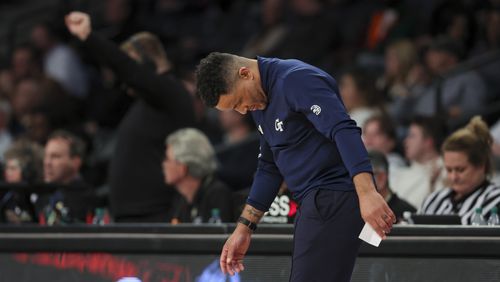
(326, 240)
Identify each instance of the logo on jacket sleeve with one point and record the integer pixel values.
(278, 125)
(260, 129)
(316, 109)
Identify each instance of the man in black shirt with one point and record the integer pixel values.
(190, 164)
(137, 190)
(74, 200)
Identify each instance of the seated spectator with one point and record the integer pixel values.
(381, 174)
(467, 159)
(495, 133)
(405, 77)
(189, 165)
(425, 173)
(271, 32)
(24, 63)
(5, 135)
(23, 166)
(74, 200)
(360, 96)
(379, 134)
(400, 59)
(462, 96)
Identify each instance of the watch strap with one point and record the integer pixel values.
(247, 223)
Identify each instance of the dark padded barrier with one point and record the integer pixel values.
(190, 253)
(461, 241)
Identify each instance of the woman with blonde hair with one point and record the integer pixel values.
(23, 166)
(400, 61)
(467, 159)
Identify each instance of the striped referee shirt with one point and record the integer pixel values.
(442, 202)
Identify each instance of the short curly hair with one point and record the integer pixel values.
(213, 77)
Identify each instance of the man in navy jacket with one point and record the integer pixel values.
(309, 141)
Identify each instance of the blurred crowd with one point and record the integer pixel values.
(107, 126)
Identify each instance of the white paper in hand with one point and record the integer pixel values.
(369, 235)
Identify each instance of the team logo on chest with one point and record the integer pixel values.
(316, 109)
(278, 125)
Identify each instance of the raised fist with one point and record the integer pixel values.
(78, 24)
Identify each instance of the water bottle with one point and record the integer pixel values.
(407, 218)
(198, 220)
(477, 218)
(215, 218)
(494, 220)
(98, 217)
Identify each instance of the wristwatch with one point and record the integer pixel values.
(247, 223)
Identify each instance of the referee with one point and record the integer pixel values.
(309, 141)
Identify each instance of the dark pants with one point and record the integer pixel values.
(326, 236)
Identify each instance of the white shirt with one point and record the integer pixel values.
(413, 183)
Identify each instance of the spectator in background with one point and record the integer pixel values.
(60, 62)
(23, 166)
(495, 147)
(404, 77)
(379, 134)
(24, 63)
(271, 32)
(27, 96)
(455, 20)
(137, 189)
(309, 35)
(488, 47)
(495, 133)
(462, 95)
(400, 59)
(360, 96)
(241, 142)
(5, 136)
(425, 173)
(120, 19)
(190, 165)
(74, 200)
(381, 174)
(467, 159)
(36, 98)
(490, 40)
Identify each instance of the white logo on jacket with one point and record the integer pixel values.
(278, 125)
(260, 129)
(316, 109)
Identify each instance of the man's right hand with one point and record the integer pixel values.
(78, 24)
(234, 250)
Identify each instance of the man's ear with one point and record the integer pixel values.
(245, 73)
(184, 169)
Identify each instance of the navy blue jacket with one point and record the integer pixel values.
(307, 138)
